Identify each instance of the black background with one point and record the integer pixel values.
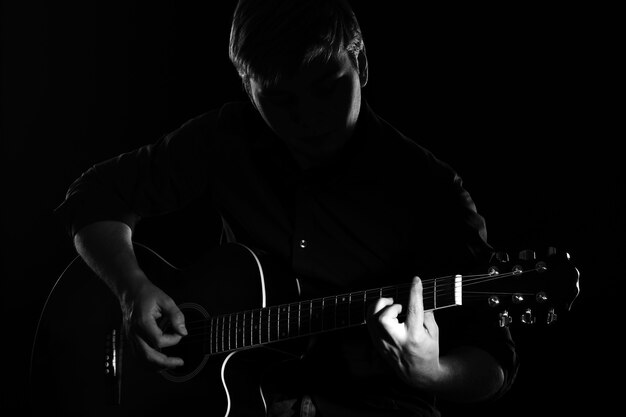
(519, 99)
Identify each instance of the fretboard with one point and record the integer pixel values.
(228, 332)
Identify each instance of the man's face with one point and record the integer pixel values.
(315, 111)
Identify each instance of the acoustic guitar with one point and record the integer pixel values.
(243, 314)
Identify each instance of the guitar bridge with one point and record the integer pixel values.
(113, 367)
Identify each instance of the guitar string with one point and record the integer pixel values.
(224, 331)
(428, 286)
(399, 290)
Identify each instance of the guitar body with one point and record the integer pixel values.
(82, 366)
(243, 322)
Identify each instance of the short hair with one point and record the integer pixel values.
(272, 39)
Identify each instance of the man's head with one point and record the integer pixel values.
(303, 63)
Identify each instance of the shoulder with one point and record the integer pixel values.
(407, 155)
(230, 114)
(209, 128)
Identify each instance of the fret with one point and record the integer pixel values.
(364, 305)
(305, 317)
(264, 325)
(294, 320)
(328, 313)
(430, 294)
(244, 330)
(370, 297)
(221, 333)
(238, 337)
(273, 324)
(251, 325)
(342, 311)
(218, 334)
(283, 322)
(237, 327)
(447, 292)
(388, 292)
(258, 328)
(356, 310)
(316, 317)
(431, 298)
(253, 328)
(299, 318)
(229, 332)
(247, 328)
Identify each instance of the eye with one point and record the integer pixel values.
(277, 98)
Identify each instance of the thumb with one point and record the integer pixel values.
(177, 320)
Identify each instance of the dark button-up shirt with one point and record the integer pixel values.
(385, 209)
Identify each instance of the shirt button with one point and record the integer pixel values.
(303, 244)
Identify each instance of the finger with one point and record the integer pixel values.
(167, 340)
(381, 303)
(389, 315)
(388, 327)
(177, 318)
(385, 329)
(430, 324)
(155, 336)
(415, 311)
(157, 358)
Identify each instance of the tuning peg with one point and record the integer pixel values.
(498, 259)
(493, 301)
(551, 317)
(528, 317)
(504, 319)
(493, 270)
(541, 266)
(517, 298)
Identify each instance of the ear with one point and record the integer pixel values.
(245, 84)
(362, 66)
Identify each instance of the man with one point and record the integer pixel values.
(306, 171)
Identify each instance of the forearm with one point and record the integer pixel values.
(468, 375)
(106, 246)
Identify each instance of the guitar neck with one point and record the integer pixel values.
(234, 331)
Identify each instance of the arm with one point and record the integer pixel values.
(467, 374)
(106, 246)
(104, 204)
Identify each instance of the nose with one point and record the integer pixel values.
(308, 114)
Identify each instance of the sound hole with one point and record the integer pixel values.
(191, 348)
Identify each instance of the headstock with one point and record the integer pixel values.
(533, 288)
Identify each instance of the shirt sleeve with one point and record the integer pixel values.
(154, 179)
